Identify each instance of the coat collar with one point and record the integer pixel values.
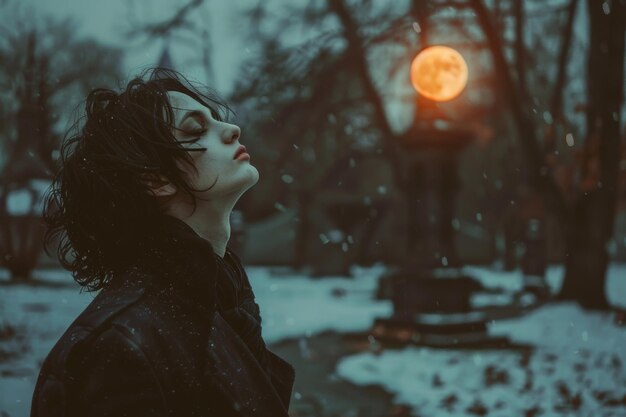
(182, 262)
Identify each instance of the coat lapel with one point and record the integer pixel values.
(238, 375)
(283, 376)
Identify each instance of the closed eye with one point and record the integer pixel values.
(200, 133)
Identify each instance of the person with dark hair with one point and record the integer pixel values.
(142, 202)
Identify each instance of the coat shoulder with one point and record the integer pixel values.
(118, 378)
(172, 350)
(57, 371)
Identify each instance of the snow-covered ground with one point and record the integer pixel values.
(576, 364)
(584, 350)
(576, 368)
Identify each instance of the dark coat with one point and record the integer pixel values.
(176, 334)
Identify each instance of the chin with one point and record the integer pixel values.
(249, 182)
(253, 182)
(255, 177)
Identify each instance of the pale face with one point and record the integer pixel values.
(221, 141)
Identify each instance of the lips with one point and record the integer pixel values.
(240, 150)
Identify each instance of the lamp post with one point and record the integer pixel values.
(439, 74)
(432, 306)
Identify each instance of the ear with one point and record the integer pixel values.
(160, 187)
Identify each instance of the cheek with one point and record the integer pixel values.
(209, 167)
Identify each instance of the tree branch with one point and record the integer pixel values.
(179, 20)
(358, 53)
(540, 177)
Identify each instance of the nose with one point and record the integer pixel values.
(233, 133)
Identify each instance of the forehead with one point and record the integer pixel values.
(182, 103)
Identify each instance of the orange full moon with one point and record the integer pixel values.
(439, 73)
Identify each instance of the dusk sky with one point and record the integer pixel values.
(109, 21)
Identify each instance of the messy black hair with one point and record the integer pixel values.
(99, 200)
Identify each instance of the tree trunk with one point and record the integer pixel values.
(520, 48)
(539, 176)
(556, 103)
(592, 220)
(357, 53)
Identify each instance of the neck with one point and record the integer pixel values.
(211, 221)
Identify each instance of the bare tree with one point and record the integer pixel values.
(297, 69)
(360, 32)
(62, 69)
(593, 214)
(45, 73)
(183, 25)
